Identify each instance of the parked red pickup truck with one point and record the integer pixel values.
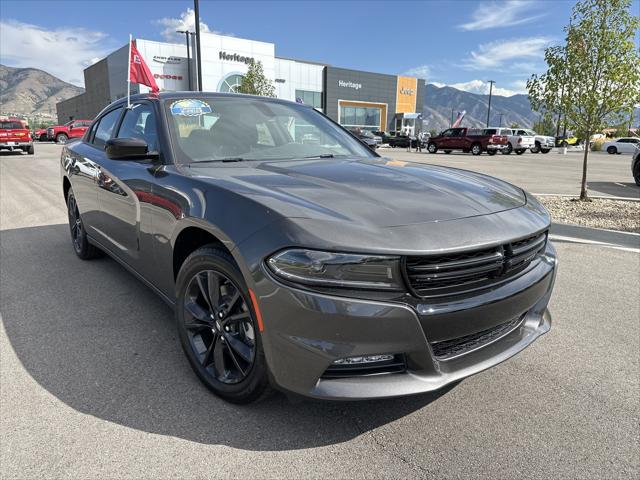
(72, 129)
(14, 135)
(474, 140)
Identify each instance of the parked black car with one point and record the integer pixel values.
(317, 267)
(366, 137)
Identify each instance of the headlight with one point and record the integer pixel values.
(341, 270)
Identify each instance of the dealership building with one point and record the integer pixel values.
(372, 101)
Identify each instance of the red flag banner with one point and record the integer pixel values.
(139, 72)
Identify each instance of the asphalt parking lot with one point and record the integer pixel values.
(94, 384)
(551, 173)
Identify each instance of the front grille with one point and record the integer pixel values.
(458, 273)
(448, 349)
(395, 365)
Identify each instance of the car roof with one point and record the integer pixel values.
(165, 96)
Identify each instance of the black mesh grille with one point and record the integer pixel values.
(461, 345)
(452, 274)
(395, 365)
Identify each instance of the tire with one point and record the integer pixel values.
(536, 148)
(491, 152)
(519, 152)
(79, 240)
(611, 150)
(30, 150)
(636, 173)
(432, 148)
(226, 354)
(508, 150)
(545, 150)
(447, 152)
(62, 138)
(476, 149)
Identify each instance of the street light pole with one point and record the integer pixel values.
(187, 33)
(491, 82)
(196, 9)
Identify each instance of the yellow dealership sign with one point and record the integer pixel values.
(406, 95)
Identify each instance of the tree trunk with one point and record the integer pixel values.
(583, 187)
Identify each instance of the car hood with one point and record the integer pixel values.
(373, 191)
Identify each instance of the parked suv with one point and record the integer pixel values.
(72, 129)
(15, 135)
(474, 140)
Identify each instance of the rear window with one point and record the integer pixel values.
(490, 131)
(10, 125)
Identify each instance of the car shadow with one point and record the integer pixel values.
(104, 344)
(617, 189)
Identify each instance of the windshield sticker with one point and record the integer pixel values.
(190, 107)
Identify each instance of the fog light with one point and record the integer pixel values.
(363, 359)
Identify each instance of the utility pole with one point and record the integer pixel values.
(196, 9)
(187, 34)
(491, 82)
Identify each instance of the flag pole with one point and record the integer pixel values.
(129, 76)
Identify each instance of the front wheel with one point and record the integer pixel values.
(612, 150)
(476, 149)
(217, 326)
(62, 138)
(545, 150)
(432, 148)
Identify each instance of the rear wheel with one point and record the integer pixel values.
(432, 147)
(62, 138)
(217, 326)
(79, 239)
(476, 149)
(612, 150)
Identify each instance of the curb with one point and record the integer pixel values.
(598, 236)
(602, 197)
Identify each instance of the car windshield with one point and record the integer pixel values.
(529, 132)
(10, 125)
(244, 128)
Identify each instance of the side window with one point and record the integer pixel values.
(447, 133)
(105, 127)
(140, 122)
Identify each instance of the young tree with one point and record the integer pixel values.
(599, 68)
(545, 125)
(255, 82)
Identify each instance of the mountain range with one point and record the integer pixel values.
(32, 92)
(505, 111)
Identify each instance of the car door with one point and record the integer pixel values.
(125, 186)
(81, 162)
(445, 139)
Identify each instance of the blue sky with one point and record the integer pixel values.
(458, 42)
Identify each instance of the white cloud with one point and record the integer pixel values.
(64, 52)
(501, 14)
(482, 87)
(423, 71)
(186, 21)
(515, 53)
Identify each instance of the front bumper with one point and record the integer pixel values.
(15, 145)
(306, 331)
(547, 143)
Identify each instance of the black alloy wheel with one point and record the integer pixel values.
(217, 326)
(79, 240)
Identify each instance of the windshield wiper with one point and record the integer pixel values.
(215, 160)
(322, 155)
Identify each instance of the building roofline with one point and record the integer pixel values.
(302, 61)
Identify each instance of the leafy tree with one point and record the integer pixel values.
(256, 83)
(599, 68)
(545, 125)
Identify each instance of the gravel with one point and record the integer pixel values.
(599, 213)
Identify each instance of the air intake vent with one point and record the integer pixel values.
(454, 274)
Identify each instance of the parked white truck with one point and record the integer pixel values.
(519, 140)
(542, 143)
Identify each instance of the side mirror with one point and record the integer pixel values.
(128, 149)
